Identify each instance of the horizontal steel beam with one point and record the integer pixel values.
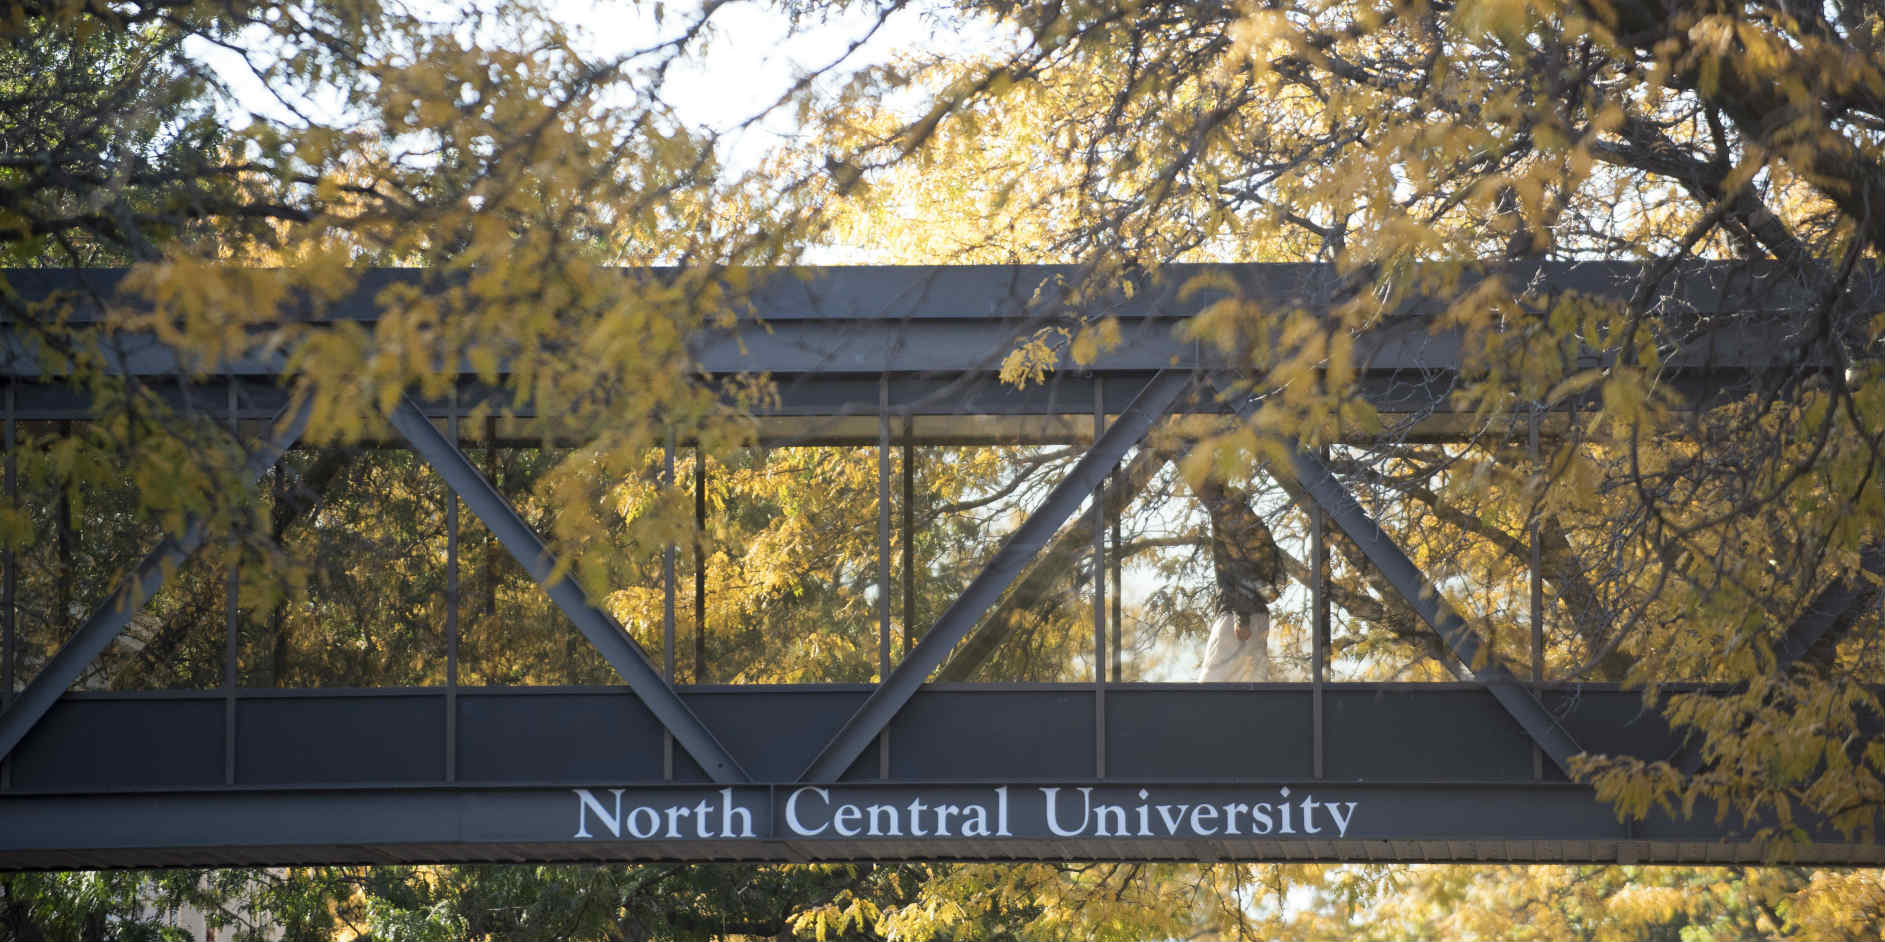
(856, 292)
(867, 321)
(958, 410)
(1403, 351)
(515, 736)
(1412, 823)
(122, 779)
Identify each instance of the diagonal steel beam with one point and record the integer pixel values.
(1152, 403)
(1426, 600)
(523, 543)
(1059, 554)
(116, 612)
(1834, 606)
(1329, 494)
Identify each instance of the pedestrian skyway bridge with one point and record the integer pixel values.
(643, 765)
(1413, 772)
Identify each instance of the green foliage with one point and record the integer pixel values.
(127, 905)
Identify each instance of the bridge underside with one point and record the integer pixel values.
(369, 826)
(1414, 772)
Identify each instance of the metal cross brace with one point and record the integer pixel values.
(1152, 403)
(1834, 605)
(527, 548)
(1344, 511)
(115, 613)
(1420, 593)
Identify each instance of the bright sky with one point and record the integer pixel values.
(751, 57)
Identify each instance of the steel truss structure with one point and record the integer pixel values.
(878, 356)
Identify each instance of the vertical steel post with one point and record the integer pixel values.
(1319, 631)
(8, 628)
(1099, 590)
(700, 562)
(667, 607)
(1135, 421)
(451, 600)
(62, 528)
(909, 532)
(490, 540)
(883, 558)
(1537, 576)
(231, 616)
(667, 571)
(1537, 593)
(883, 528)
(12, 575)
(1119, 604)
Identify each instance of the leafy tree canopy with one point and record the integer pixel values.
(1407, 144)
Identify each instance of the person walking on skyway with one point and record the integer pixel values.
(1239, 650)
(1248, 568)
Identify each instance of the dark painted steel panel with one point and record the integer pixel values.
(1408, 734)
(979, 291)
(955, 746)
(342, 739)
(136, 743)
(1614, 722)
(957, 318)
(1007, 735)
(1256, 733)
(775, 731)
(505, 737)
